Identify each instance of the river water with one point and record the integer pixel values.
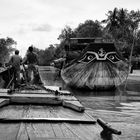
(113, 107)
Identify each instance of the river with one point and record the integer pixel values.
(121, 112)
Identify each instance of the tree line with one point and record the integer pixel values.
(121, 26)
(6, 48)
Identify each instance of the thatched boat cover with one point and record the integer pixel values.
(100, 66)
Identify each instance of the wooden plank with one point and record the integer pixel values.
(50, 120)
(2, 90)
(76, 105)
(64, 92)
(41, 96)
(69, 98)
(52, 111)
(39, 130)
(8, 131)
(32, 98)
(49, 131)
(66, 101)
(26, 91)
(80, 135)
(33, 92)
(56, 88)
(36, 100)
(57, 130)
(61, 112)
(42, 112)
(52, 87)
(66, 132)
(11, 111)
(4, 102)
(46, 130)
(90, 132)
(22, 132)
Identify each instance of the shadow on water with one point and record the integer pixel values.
(84, 92)
(112, 106)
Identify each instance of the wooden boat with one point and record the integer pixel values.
(49, 114)
(98, 66)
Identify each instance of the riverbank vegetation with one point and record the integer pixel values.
(120, 26)
(6, 48)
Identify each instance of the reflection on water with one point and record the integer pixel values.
(111, 106)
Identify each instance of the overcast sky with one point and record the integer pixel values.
(39, 22)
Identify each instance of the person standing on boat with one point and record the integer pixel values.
(15, 61)
(31, 59)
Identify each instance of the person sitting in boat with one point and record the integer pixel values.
(31, 59)
(15, 61)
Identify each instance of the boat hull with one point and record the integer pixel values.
(96, 69)
(99, 76)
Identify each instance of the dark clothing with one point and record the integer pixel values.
(32, 58)
(15, 61)
(32, 72)
(32, 61)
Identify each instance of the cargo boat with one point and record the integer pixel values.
(49, 113)
(93, 65)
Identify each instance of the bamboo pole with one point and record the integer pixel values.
(130, 59)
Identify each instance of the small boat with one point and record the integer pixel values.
(48, 114)
(97, 66)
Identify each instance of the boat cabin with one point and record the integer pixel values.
(77, 46)
(80, 43)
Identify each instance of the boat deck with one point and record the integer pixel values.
(49, 114)
(22, 119)
(43, 121)
(45, 129)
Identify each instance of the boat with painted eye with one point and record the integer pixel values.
(98, 66)
(48, 114)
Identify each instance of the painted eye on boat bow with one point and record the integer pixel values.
(113, 58)
(87, 58)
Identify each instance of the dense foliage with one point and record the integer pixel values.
(45, 56)
(121, 26)
(6, 48)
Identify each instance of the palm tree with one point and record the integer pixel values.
(111, 23)
(121, 24)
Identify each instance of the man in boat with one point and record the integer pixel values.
(31, 59)
(15, 61)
